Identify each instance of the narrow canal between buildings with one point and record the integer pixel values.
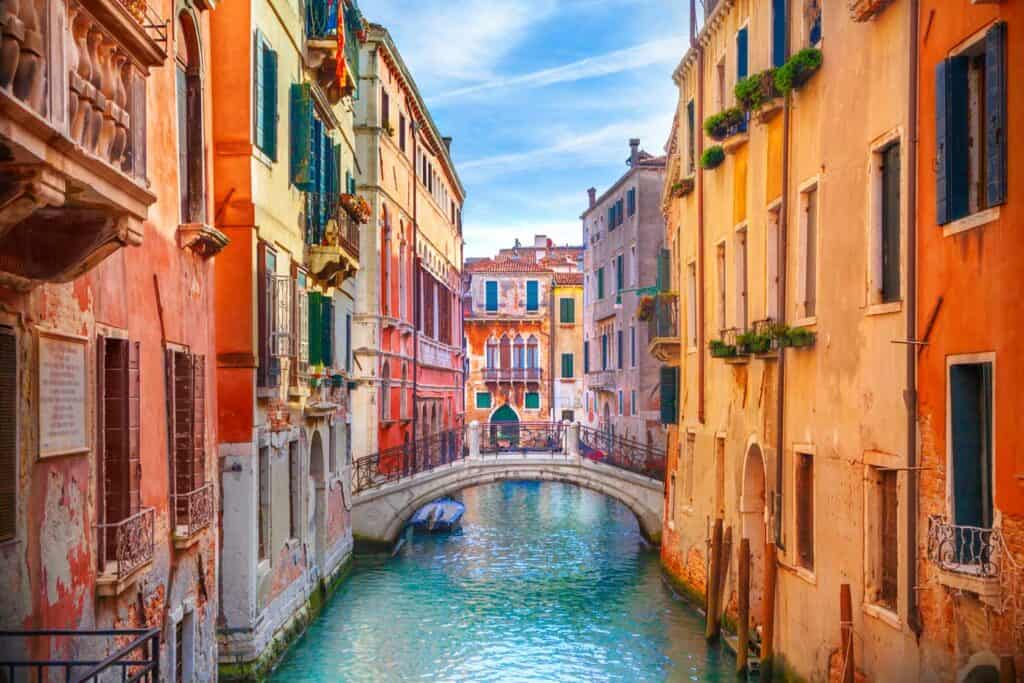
(545, 582)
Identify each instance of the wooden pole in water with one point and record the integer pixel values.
(768, 618)
(846, 628)
(1007, 669)
(723, 572)
(743, 623)
(711, 620)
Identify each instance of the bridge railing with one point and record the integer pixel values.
(617, 451)
(520, 437)
(409, 459)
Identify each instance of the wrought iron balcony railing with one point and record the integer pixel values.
(633, 456)
(126, 545)
(332, 237)
(135, 656)
(193, 511)
(663, 322)
(969, 550)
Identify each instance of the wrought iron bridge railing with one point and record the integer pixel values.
(520, 437)
(617, 451)
(193, 511)
(407, 460)
(136, 656)
(128, 544)
(969, 550)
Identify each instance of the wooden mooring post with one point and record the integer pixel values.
(768, 618)
(711, 630)
(743, 622)
(1007, 669)
(846, 628)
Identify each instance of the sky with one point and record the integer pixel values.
(541, 98)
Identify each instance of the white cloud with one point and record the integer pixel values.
(665, 50)
(485, 239)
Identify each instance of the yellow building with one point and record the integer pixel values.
(567, 343)
(786, 218)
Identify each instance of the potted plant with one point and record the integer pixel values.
(645, 309)
(756, 90)
(753, 342)
(798, 69)
(720, 349)
(725, 123)
(356, 206)
(712, 157)
(800, 337)
(683, 187)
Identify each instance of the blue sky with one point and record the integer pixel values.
(541, 98)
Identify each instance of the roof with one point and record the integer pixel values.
(645, 160)
(506, 265)
(569, 279)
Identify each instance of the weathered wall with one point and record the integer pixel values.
(568, 338)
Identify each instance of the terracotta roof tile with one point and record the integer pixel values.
(569, 278)
(506, 265)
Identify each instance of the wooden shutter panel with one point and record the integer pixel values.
(263, 300)
(270, 105)
(669, 378)
(951, 150)
(327, 331)
(315, 337)
(257, 91)
(741, 53)
(664, 270)
(778, 33)
(184, 411)
(198, 420)
(136, 160)
(995, 110)
(8, 431)
(181, 100)
(300, 122)
(195, 154)
(134, 414)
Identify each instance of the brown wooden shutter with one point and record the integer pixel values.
(264, 313)
(199, 420)
(133, 386)
(117, 500)
(8, 431)
(101, 451)
(184, 450)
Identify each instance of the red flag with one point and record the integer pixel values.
(339, 72)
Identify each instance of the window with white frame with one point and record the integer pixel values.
(691, 304)
(771, 288)
(720, 294)
(882, 577)
(884, 243)
(740, 255)
(807, 282)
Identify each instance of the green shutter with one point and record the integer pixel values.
(258, 101)
(483, 399)
(532, 400)
(669, 378)
(567, 362)
(301, 125)
(327, 332)
(270, 103)
(664, 270)
(335, 184)
(600, 282)
(567, 311)
(531, 295)
(492, 295)
(315, 312)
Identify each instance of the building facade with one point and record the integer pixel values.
(788, 218)
(108, 396)
(285, 88)
(567, 342)
(969, 209)
(623, 233)
(406, 328)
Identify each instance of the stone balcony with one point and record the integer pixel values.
(73, 134)
(332, 239)
(322, 53)
(663, 329)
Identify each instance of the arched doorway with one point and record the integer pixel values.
(318, 530)
(752, 513)
(504, 427)
(606, 419)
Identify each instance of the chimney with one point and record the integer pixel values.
(634, 151)
(592, 195)
(540, 241)
(447, 143)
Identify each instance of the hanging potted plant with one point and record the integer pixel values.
(757, 90)
(683, 187)
(712, 157)
(798, 70)
(645, 309)
(720, 349)
(356, 206)
(753, 342)
(800, 337)
(725, 123)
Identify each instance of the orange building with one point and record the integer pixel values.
(970, 318)
(108, 478)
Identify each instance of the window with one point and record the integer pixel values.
(385, 109)
(812, 21)
(265, 96)
(294, 492)
(742, 57)
(632, 402)
(600, 282)
(634, 266)
(631, 201)
(190, 138)
(492, 353)
(532, 400)
(532, 353)
(8, 433)
(532, 295)
(669, 379)
(688, 473)
(403, 396)
(264, 503)
(970, 118)
(586, 356)
(805, 510)
(269, 368)
(567, 362)
(519, 352)
(691, 305)
(884, 274)
(618, 348)
(186, 408)
(483, 399)
(619, 278)
(720, 294)
(618, 212)
(604, 351)
(690, 132)
(632, 346)
(771, 302)
(621, 406)
(808, 273)
(970, 428)
(320, 309)
(491, 290)
(742, 309)
(778, 33)
(567, 311)
(401, 131)
(883, 545)
(505, 351)
(118, 423)
(385, 391)
(720, 93)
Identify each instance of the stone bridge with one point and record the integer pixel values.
(391, 485)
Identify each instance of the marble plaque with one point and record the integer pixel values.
(62, 387)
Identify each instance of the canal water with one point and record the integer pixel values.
(545, 582)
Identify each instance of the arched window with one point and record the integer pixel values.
(385, 390)
(532, 353)
(403, 407)
(492, 353)
(519, 352)
(505, 351)
(385, 258)
(402, 286)
(189, 84)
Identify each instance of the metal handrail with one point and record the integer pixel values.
(408, 459)
(962, 549)
(132, 541)
(520, 437)
(142, 654)
(633, 456)
(194, 509)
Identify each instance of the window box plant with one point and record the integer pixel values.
(757, 90)
(712, 157)
(753, 342)
(725, 123)
(720, 349)
(795, 337)
(645, 309)
(355, 206)
(683, 187)
(798, 70)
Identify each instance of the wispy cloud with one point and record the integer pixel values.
(488, 238)
(664, 50)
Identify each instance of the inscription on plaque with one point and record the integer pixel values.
(61, 395)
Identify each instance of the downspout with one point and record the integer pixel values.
(417, 313)
(700, 238)
(910, 396)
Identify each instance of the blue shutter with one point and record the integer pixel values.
(951, 150)
(995, 110)
(970, 394)
(531, 295)
(668, 395)
(300, 121)
(492, 295)
(618, 347)
(270, 103)
(814, 35)
(778, 32)
(741, 53)
(327, 331)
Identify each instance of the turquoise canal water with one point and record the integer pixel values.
(545, 582)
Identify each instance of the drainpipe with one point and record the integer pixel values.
(700, 238)
(910, 396)
(415, 288)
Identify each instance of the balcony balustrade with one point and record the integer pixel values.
(968, 550)
(73, 125)
(438, 354)
(663, 329)
(193, 512)
(332, 238)
(322, 23)
(529, 375)
(126, 546)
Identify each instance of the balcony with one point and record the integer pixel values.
(134, 655)
(438, 354)
(528, 375)
(662, 314)
(332, 238)
(125, 549)
(601, 380)
(193, 512)
(969, 558)
(322, 46)
(73, 130)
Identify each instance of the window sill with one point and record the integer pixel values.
(883, 614)
(800, 572)
(986, 588)
(809, 321)
(884, 308)
(737, 360)
(262, 157)
(567, 380)
(975, 220)
(734, 142)
(109, 586)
